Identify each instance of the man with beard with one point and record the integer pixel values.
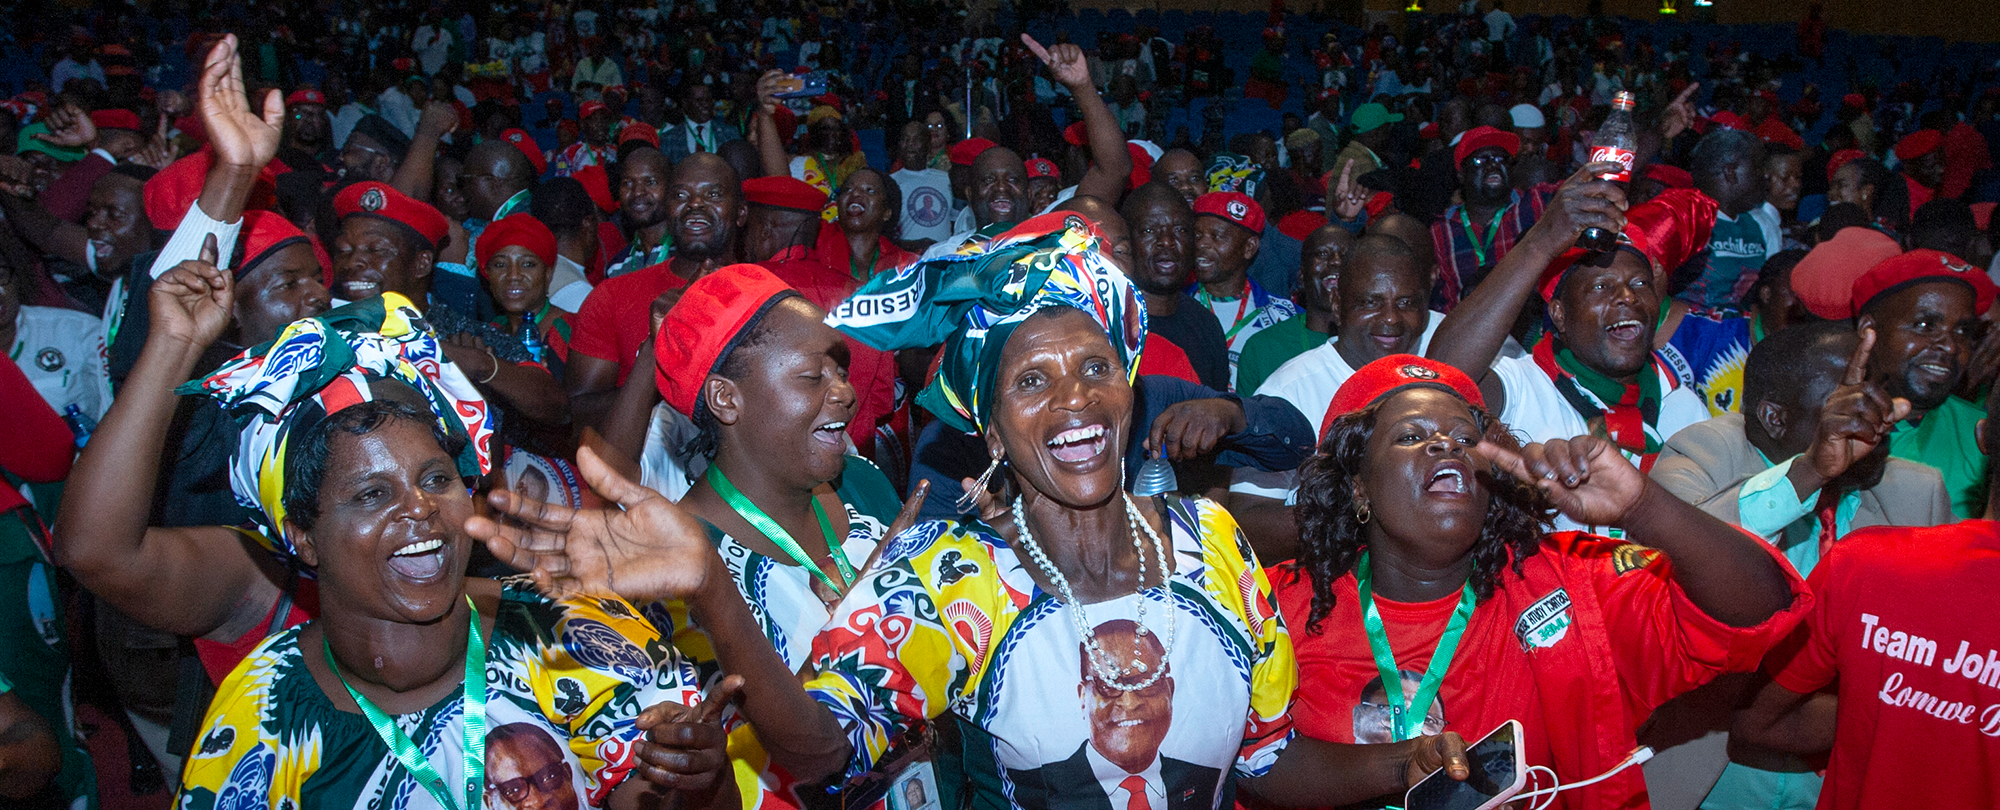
(308, 133)
(1162, 233)
(1803, 464)
(1228, 230)
(1325, 254)
(642, 199)
(701, 204)
(1473, 236)
(1924, 307)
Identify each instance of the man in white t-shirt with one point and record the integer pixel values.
(1594, 371)
(1383, 305)
(926, 191)
(60, 350)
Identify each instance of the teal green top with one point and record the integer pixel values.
(1770, 507)
(1265, 351)
(1945, 440)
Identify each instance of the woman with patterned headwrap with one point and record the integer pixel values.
(1093, 645)
(357, 439)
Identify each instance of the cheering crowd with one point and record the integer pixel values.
(846, 404)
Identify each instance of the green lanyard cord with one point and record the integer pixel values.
(1407, 717)
(1492, 233)
(405, 751)
(1229, 337)
(779, 537)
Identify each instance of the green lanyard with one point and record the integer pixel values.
(1407, 717)
(405, 751)
(1229, 337)
(1492, 233)
(781, 538)
(862, 270)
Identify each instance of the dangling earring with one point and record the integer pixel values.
(1362, 513)
(972, 495)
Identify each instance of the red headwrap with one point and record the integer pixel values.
(518, 229)
(704, 325)
(1667, 230)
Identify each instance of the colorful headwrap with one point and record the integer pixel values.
(317, 367)
(973, 299)
(1228, 171)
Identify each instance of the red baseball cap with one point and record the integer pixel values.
(264, 233)
(589, 108)
(966, 151)
(703, 326)
(305, 95)
(517, 229)
(1478, 138)
(784, 191)
(637, 131)
(1234, 206)
(1918, 144)
(1042, 167)
(115, 119)
(375, 199)
(526, 143)
(1922, 266)
(1824, 279)
(1394, 373)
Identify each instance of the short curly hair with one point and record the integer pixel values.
(1332, 539)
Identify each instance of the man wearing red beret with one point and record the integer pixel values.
(307, 144)
(595, 147)
(1474, 235)
(1922, 155)
(1228, 230)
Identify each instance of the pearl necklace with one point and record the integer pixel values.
(1108, 671)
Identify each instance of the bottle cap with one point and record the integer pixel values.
(1624, 101)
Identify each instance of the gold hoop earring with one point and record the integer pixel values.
(971, 496)
(1363, 514)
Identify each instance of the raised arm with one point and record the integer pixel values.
(1110, 163)
(764, 127)
(198, 581)
(414, 175)
(1726, 573)
(1470, 337)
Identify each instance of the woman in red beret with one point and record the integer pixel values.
(517, 254)
(1429, 594)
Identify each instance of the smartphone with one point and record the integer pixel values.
(807, 86)
(1498, 773)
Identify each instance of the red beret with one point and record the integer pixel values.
(1918, 144)
(704, 324)
(597, 184)
(1394, 373)
(1824, 279)
(966, 151)
(590, 108)
(374, 199)
(518, 229)
(1667, 230)
(1233, 206)
(1855, 100)
(174, 189)
(1075, 135)
(1668, 175)
(1300, 224)
(1428, 130)
(526, 143)
(305, 95)
(784, 191)
(1042, 167)
(1839, 159)
(1478, 138)
(637, 131)
(115, 119)
(1919, 267)
(264, 233)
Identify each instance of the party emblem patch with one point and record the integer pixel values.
(1545, 622)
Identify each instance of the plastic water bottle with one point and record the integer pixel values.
(1616, 142)
(80, 425)
(531, 338)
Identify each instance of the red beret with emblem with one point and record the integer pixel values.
(1041, 167)
(526, 143)
(305, 95)
(784, 191)
(374, 199)
(1392, 374)
(1922, 266)
(1235, 207)
(704, 325)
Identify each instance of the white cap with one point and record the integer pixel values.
(1527, 116)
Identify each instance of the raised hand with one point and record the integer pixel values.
(1066, 62)
(685, 747)
(438, 117)
(158, 152)
(1348, 197)
(768, 88)
(1583, 201)
(191, 302)
(1679, 115)
(1585, 477)
(1858, 416)
(240, 137)
(646, 549)
(69, 127)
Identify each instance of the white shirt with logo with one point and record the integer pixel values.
(62, 353)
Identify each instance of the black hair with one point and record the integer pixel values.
(1767, 275)
(1943, 224)
(305, 463)
(731, 364)
(892, 193)
(562, 204)
(135, 171)
(1331, 538)
(1842, 215)
(1722, 148)
(1782, 367)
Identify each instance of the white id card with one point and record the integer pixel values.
(915, 788)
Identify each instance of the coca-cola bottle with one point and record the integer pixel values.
(1615, 142)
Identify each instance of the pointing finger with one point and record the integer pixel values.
(1037, 49)
(1857, 363)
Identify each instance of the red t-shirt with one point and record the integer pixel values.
(1905, 624)
(618, 316)
(1580, 649)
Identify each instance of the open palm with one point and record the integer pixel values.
(241, 137)
(645, 549)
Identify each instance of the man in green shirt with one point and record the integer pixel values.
(1321, 259)
(1924, 307)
